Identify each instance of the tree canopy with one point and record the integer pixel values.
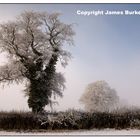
(34, 43)
(98, 96)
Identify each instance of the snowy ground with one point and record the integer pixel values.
(104, 132)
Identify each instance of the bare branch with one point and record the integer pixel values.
(12, 72)
(32, 44)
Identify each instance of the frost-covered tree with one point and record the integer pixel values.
(98, 96)
(34, 43)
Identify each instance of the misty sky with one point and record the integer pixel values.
(106, 48)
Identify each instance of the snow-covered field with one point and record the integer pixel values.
(94, 132)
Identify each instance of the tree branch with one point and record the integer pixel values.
(32, 45)
(11, 72)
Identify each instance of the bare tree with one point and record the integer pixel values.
(34, 44)
(98, 96)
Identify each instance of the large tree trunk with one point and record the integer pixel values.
(40, 89)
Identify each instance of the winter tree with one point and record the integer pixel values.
(34, 43)
(99, 97)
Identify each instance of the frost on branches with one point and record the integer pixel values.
(34, 44)
(99, 97)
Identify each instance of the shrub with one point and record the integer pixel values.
(70, 120)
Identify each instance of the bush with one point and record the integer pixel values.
(70, 120)
(18, 121)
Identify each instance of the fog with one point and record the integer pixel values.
(105, 49)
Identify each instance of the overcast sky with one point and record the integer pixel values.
(106, 48)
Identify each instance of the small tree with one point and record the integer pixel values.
(34, 44)
(98, 96)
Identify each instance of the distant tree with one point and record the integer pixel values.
(99, 97)
(34, 44)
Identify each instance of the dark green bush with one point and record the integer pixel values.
(70, 119)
